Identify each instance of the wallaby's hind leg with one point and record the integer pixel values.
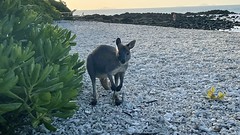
(92, 75)
(94, 100)
(105, 83)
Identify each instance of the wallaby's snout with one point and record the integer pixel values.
(108, 63)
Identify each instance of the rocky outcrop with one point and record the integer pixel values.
(202, 20)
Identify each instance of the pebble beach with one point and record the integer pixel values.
(165, 86)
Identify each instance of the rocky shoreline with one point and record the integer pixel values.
(209, 20)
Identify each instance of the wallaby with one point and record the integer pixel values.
(107, 61)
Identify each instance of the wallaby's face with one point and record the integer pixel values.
(124, 51)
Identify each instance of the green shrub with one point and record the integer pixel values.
(39, 79)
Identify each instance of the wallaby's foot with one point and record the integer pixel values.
(93, 102)
(117, 100)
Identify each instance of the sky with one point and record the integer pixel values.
(126, 4)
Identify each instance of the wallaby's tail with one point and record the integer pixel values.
(105, 83)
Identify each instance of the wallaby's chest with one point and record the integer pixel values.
(114, 71)
(121, 68)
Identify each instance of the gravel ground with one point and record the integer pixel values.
(165, 85)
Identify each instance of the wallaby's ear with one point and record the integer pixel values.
(118, 41)
(131, 44)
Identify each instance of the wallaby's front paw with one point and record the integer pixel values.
(113, 88)
(119, 88)
(118, 102)
(94, 102)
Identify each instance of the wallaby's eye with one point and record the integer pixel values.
(127, 53)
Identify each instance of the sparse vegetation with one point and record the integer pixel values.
(211, 94)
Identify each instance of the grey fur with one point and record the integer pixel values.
(107, 61)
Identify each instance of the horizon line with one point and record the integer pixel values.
(155, 7)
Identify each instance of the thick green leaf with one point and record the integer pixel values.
(56, 100)
(73, 37)
(67, 76)
(78, 65)
(2, 120)
(47, 70)
(48, 48)
(70, 105)
(35, 74)
(27, 61)
(47, 124)
(69, 93)
(12, 95)
(21, 81)
(9, 81)
(41, 109)
(44, 98)
(52, 88)
(68, 35)
(4, 108)
(35, 123)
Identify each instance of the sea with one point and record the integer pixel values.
(195, 9)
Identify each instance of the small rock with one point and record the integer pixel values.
(88, 112)
(231, 123)
(168, 116)
(129, 106)
(131, 130)
(204, 128)
(237, 118)
(213, 119)
(172, 127)
(135, 123)
(194, 120)
(216, 128)
(223, 131)
(176, 133)
(87, 126)
(178, 113)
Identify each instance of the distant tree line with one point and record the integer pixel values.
(60, 5)
(48, 9)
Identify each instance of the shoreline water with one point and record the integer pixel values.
(231, 8)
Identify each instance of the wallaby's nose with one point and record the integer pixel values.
(122, 61)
